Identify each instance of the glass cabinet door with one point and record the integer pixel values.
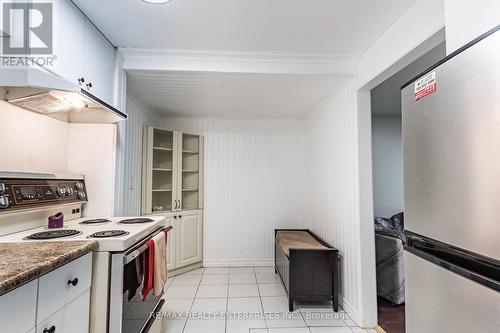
(190, 179)
(162, 171)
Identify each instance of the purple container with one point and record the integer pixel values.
(56, 221)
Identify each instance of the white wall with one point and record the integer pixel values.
(341, 126)
(254, 182)
(387, 163)
(129, 156)
(31, 142)
(332, 204)
(466, 20)
(34, 142)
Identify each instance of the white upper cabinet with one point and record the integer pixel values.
(98, 64)
(82, 52)
(69, 34)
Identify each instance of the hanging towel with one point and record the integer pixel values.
(160, 271)
(132, 277)
(149, 256)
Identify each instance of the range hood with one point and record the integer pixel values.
(43, 92)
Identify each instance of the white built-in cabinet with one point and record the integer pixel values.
(83, 54)
(59, 301)
(173, 187)
(189, 243)
(185, 240)
(172, 171)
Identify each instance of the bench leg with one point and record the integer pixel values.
(335, 304)
(336, 284)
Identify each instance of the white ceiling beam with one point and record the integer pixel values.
(230, 62)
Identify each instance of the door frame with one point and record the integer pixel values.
(367, 263)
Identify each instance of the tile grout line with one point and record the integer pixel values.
(192, 303)
(227, 299)
(260, 299)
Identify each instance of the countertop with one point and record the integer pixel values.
(23, 262)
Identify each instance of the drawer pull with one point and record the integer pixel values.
(73, 282)
(50, 330)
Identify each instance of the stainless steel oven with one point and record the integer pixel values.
(128, 312)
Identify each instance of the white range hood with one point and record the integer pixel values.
(40, 91)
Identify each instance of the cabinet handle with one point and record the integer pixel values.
(81, 80)
(73, 282)
(175, 204)
(89, 85)
(180, 216)
(50, 330)
(175, 216)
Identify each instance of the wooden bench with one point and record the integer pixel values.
(308, 266)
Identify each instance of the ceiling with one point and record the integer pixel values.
(386, 97)
(288, 26)
(250, 30)
(212, 94)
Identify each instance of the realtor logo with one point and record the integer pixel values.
(27, 28)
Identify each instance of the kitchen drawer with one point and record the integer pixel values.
(73, 318)
(18, 309)
(55, 290)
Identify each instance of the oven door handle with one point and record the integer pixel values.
(137, 252)
(153, 316)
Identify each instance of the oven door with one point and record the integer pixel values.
(128, 312)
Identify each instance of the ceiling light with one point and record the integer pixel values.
(157, 2)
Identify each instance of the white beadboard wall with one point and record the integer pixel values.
(332, 202)
(129, 156)
(254, 182)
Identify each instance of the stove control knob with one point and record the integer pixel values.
(61, 191)
(79, 186)
(69, 191)
(81, 195)
(4, 202)
(2, 188)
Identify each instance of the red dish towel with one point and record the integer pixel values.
(149, 257)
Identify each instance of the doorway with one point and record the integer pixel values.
(388, 198)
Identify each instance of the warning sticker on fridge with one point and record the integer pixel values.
(425, 85)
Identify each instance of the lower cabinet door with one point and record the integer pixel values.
(74, 317)
(189, 236)
(171, 239)
(18, 309)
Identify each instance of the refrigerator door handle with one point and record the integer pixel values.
(473, 266)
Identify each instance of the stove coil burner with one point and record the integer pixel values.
(136, 221)
(51, 234)
(108, 234)
(95, 221)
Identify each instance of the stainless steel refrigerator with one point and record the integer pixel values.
(451, 135)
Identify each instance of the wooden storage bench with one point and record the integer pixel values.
(308, 267)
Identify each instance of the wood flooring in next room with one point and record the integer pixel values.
(391, 317)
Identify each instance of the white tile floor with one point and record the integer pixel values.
(243, 300)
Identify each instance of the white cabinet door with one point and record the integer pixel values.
(177, 171)
(62, 285)
(98, 64)
(69, 30)
(171, 244)
(189, 238)
(73, 318)
(18, 309)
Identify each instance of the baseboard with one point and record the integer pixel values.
(237, 263)
(349, 309)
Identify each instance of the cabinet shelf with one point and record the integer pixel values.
(162, 149)
(172, 171)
